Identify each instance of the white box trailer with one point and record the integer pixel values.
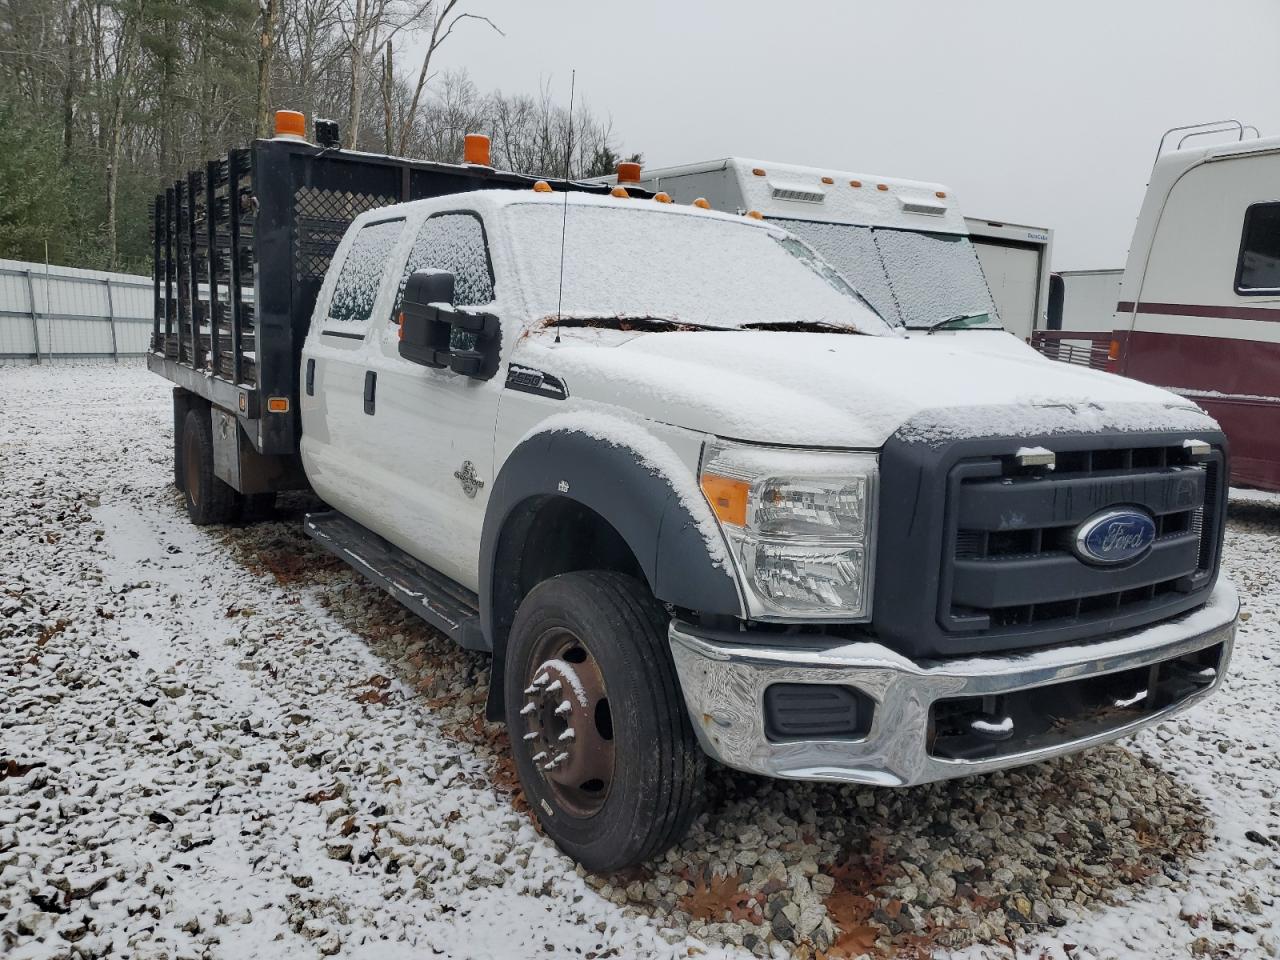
(1089, 299)
(903, 244)
(1016, 260)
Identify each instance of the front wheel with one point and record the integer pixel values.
(598, 726)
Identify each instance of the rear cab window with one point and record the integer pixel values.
(1258, 268)
(360, 278)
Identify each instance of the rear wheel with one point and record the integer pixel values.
(598, 726)
(209, 500)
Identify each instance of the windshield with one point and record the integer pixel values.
(915, 279)
(642, 262)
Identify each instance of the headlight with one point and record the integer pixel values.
(800, 526)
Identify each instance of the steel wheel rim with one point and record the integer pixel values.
(190, 467)
(565, 691)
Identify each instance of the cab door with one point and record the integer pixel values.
(438, 472)
(338, 430)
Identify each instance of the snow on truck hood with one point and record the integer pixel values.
(842, 390)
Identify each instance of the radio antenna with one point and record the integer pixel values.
(564, 220)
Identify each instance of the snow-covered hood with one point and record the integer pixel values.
(836, 390)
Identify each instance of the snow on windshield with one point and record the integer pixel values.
(912, 278)
(638, 261)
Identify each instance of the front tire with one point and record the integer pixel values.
(209, 500)
(588, 654)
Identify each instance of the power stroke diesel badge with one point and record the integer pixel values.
(1115, 536)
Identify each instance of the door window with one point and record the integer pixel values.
(454, 242)
(1258, 270)
(361, 274)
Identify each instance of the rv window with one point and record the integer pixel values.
(362, 271)
(1258, 271)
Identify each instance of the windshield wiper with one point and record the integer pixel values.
(959, 321)
(636, 324)
(801, 326)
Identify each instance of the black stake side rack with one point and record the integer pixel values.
(240, 249)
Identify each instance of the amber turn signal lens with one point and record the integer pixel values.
(728, 498)
(542, 187)
(291, 123)
(278, 404)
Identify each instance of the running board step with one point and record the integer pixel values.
(445, 604)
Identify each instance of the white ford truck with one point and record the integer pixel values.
(693, 493)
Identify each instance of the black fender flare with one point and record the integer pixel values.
(632, 494)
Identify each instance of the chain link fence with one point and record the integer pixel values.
(50, 314)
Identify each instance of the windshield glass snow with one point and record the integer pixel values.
(670, 267)
(916, 279)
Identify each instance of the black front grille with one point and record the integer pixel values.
(975, 553)
(1011, 564)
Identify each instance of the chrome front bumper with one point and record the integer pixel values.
(724, 682)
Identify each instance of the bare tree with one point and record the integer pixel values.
(442, 24)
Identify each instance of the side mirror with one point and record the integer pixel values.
(435, 334)
(423, 338)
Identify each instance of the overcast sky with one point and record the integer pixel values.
(1031, 111)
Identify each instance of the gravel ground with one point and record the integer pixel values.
(224, 744)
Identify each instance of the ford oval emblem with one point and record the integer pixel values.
(1115, 536)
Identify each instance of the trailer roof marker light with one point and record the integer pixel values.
(628, 172)
(702, 204)
(542, 187)
(662, 197)
(291, 123)
(620, 192)
(856, 184)
(1036, 457)
(278, 404)
(475, 150)
(1197, 448)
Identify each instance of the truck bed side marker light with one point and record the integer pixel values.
(542, 187)
(701, 203)
(661, 197)
(278, 404)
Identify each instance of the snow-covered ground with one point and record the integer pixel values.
(219, 743)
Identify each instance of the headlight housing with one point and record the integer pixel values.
(800, 526)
